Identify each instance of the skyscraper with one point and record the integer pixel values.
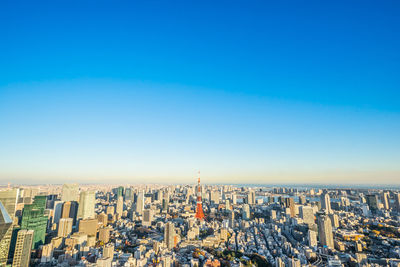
(231, 219)
(70, 192)
(140, 203)
(6, 228)
(57, 211)
(70, 210)
(86, 205)
(65, 227)
(325, 231)
(289, 203)
(23, 247)
(88, 226)
(312, 238)
(8, 201)
(385, 200)
(326, 203)
(307, 214)
(372, 201)
(33, 218)
(169, 235)
(128, 196)
(165, 202)
(120, 206)
(120, 192)
(246, 212)
(251, 197)
(147, 217)
(397, 201)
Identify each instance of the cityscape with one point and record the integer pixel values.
(177, 133)
(198, 225)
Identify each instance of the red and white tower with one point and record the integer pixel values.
(199, 207)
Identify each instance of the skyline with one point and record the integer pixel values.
(254, 93)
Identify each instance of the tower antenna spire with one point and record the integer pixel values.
(199, 206)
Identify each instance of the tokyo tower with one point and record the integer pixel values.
(199, 207)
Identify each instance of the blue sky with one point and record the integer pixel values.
(245, 91)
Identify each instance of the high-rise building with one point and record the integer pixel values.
(246, 212)
(6, 228)
(103, 219)
(307, 214)
(104, 235)
(312, 238)
(334, 220)
(289, 203)
(70, 210)
(169, 235)
(372, 201)
(231, 219)
(33, 218)
(325, 231)
(234, 199)
(147, 217)
(88, 226)
(385, 200)
(8, 201)
(86, 205)
(128, 196)
(140, 203)
(70, 192)
(108, 251)
(302, 200)
(120, 206)
(165, 202)
(57, 210)
(214, 196)
(326, 203)
(397, 201)
(47, 253)
(120, 192)
(23, 247)
(251, 197)
(65, 227)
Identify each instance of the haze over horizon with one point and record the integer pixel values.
(254, 92)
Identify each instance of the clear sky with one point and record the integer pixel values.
(245, 91)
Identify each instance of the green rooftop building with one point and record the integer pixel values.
(34, 218)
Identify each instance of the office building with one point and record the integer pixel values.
(70, 192)
(169, 235)
(65, 227)
(307, 214)
(33, 218)
(246, 212)
(88, 226)
(147, 217)
(6, 228)
(108, 251)
(86, 205)
(104, 234)
(120, 192)
(120, 206)
(326, 203)
(23, 247)
(325, 233)
(372, 201)
(385, 200)
(140, 203)
(8, 202)
(251, 197)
